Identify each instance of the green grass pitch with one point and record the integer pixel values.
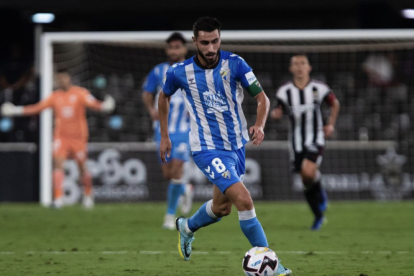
(361, 238)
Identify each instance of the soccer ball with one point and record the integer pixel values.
(260, 261)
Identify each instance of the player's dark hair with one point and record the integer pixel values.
(176, 36)
(299, 54)
(207, 24)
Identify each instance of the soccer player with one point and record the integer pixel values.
(71, 130)
(212, 83)
(302, 98)
(179, 126)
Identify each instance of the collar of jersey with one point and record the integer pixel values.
(205, 68)
(293, 82)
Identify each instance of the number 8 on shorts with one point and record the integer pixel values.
(218, 165)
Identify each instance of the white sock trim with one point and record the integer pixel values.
(246, 215)
(209, 209)
(187, 230)
(317, 177)
(176, 181)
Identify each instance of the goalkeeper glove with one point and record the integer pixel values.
(10, 110)
(108, 105)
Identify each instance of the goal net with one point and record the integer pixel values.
(370, 72)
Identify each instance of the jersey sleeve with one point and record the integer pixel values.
(325, 91)
(38, 107)
(248, 79)
(329, 98)
(90, 101)
(170, 83)
(151, 82)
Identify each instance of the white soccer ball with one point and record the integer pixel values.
(260, 261)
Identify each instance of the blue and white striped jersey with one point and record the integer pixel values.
(178, 119)
(213, 98)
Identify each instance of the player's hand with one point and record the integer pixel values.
(154, 114)
(108, 105)
(165, 149)
(328, 130)
(257, 134)
(276, 114)
(9, 110)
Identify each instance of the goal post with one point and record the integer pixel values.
(261, 41)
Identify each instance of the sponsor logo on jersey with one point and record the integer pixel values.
(210, 172)
(215, 102)
(299, 109)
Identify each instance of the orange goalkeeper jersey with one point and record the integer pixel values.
(69, 109)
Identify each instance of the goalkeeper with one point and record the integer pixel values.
(69, 104)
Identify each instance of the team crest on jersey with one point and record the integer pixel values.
(72, 98)
(225, 74)
(226, 174)
(315, 94)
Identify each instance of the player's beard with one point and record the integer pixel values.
(209, 62)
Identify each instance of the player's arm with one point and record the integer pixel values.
(107, 105)
(169, 88)
(257, 130)
(148, 99)
(163, 111)
(10, 110)
(277, 111)
(150, 89)
(250, 82)
(333, 102)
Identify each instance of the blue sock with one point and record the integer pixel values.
(173, 194)
(203, 217)
(252, 228)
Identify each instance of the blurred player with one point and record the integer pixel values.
(179, 126)
(71, 130)
(212, 83)
(302, 98)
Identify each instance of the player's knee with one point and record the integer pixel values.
(245, 202)
(222, 210)
(176, 174)
(308, 174)
(166, 175)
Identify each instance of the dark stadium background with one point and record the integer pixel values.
(126, 15)
(17, 30)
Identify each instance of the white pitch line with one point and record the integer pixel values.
(114, 252)
(223, 252)
(151, 252)
(292, 252)
(201, 252)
